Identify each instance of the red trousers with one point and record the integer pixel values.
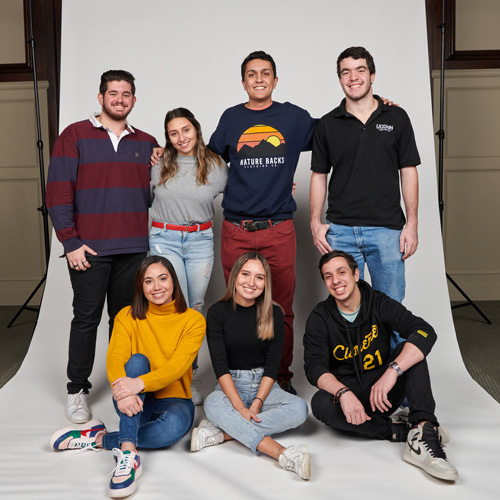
(277, 244)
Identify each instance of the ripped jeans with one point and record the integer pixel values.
(191, 254)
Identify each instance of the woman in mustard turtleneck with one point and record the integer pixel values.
(152, 348)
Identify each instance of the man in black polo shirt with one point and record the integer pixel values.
(371, 149)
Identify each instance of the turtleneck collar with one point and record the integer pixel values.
(162, 310)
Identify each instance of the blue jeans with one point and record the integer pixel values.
(191, 254)
(161, 423)
(281, 411)
(378, 247)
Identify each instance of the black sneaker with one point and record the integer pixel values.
(287, 386)
(399, 432)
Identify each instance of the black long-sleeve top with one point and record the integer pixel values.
(334, 345)
(233, 342)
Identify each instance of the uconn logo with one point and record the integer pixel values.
(384, 128)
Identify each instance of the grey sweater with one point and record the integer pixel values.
(180, 200)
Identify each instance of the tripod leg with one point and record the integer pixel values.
(25, 305)
(469, 301)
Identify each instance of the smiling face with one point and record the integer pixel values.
(158, 285)
(183, 135)
(118, 101)
(355, 78)
(341, 283)
(249, 283)
(259, 83)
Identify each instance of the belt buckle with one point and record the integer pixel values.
(249, 225)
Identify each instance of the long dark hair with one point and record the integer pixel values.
(140, 304)
(205, 158)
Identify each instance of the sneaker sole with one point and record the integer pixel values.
(447, 477)
(57, 434)
(82, 420)
(194, 439)
(125, 492)
(307, 467)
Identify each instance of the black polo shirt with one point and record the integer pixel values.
(365, 160)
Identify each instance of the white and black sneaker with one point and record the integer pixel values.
(423, 449)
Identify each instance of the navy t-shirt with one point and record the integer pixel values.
(263, 149)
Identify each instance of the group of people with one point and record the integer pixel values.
(99, 190)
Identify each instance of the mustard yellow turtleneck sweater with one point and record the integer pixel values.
(170, 341)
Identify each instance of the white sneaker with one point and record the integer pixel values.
(196, 395)
(297, 459)
(77, 409)
(206, 434)
(423, 449)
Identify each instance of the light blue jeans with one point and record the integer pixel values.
(191, 254)
(378, 247)
(161, 423)
(281, 411)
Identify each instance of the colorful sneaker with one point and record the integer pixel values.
(127, 471)
(77, 409)
(82, 439)
(297, 459)
(206, 434)
(423, 449)
(196, 395)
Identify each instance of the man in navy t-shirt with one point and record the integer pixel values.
(262, 141)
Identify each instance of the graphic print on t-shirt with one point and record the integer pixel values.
(260, 146)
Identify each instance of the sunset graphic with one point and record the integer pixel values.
(261, 140)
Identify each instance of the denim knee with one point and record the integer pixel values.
(137, 365)
(300, 411)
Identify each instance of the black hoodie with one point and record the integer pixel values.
(334, 345)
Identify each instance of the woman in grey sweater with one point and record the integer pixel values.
(184, 185)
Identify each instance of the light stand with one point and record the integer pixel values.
(43, 208)
(440, 134)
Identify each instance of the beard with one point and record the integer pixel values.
(115, 116)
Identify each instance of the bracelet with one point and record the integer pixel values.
(256, 397)
(340, 393)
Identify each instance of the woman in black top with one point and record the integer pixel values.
(245, 332)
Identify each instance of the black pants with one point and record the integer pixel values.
(112, 278)
(414, 383)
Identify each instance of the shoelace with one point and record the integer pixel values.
(432, 441)
(85, 444)
(211, 436)
(79, 403)
(289, 460)
(124, 463)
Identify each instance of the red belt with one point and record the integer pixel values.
(190, 229)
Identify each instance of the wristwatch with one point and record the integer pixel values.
(394, 365)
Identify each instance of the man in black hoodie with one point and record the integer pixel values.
(348, 357)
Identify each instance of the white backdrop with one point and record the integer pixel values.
(189, 54)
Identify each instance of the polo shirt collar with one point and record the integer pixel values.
(342, 112)
(97, 124)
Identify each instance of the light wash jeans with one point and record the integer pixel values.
(378, 247)
(281, 411)
(191, 254)
(161, 423)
